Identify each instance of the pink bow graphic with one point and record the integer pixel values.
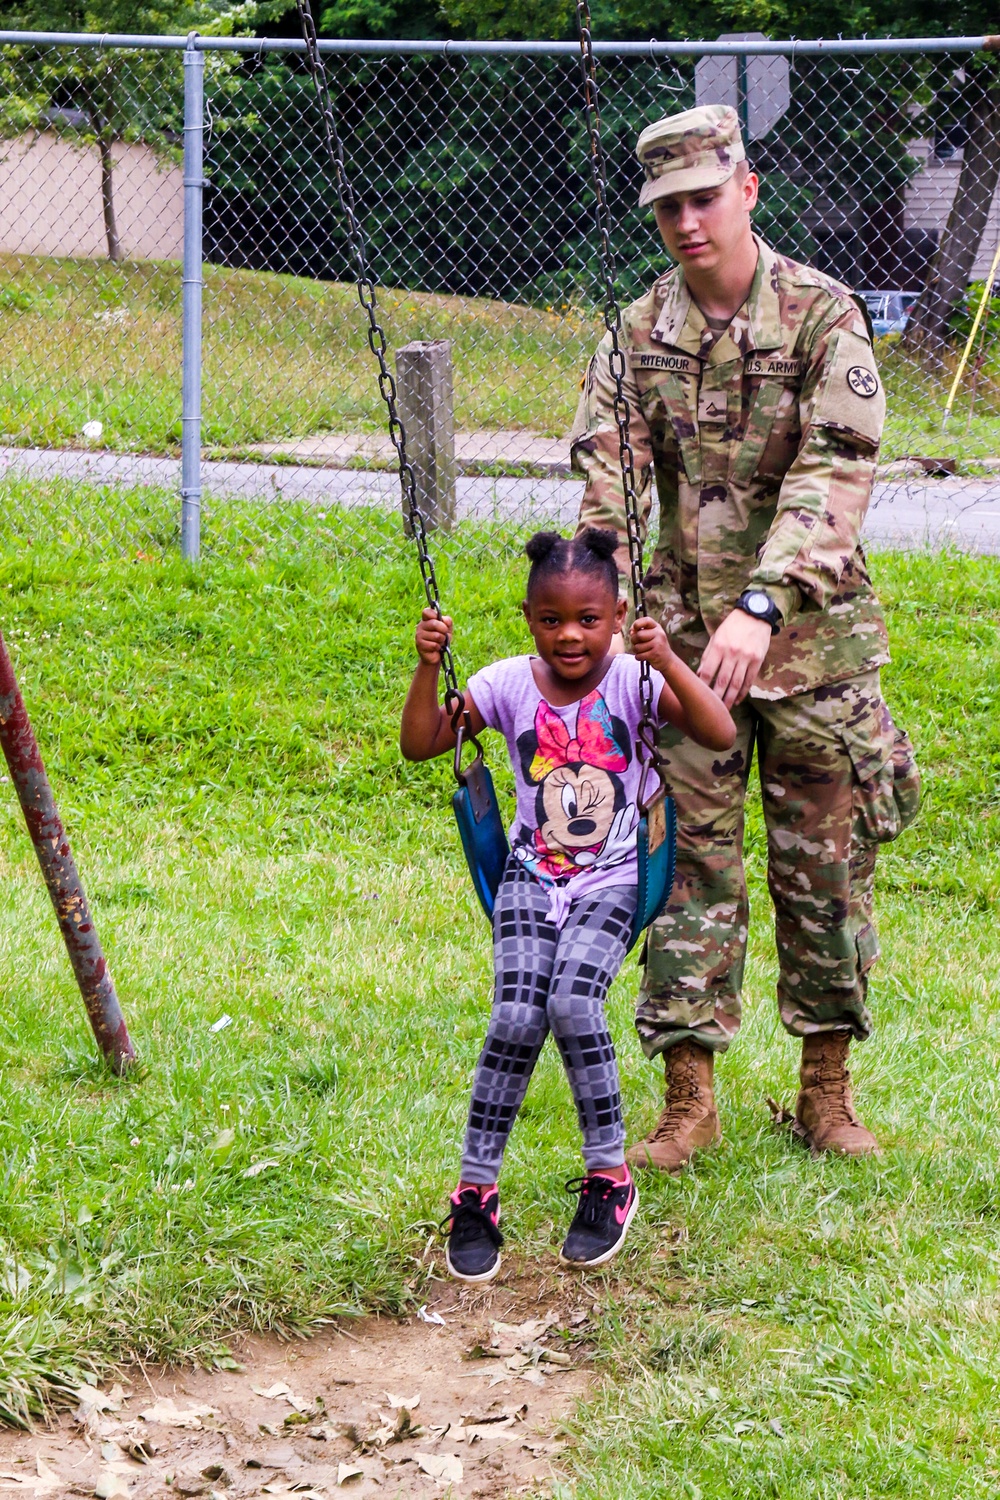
(593, 745)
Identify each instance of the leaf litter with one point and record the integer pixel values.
(389, 1410)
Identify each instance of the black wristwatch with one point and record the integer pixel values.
(760, 606)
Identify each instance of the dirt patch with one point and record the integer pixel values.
(465, 1399)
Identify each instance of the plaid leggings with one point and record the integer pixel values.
(550, 980)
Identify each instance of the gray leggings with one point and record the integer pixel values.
(550, 980)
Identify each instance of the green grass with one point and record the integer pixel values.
(286, 357)
(283, 356)
(222, 743)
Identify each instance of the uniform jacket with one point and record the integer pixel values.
(763, 449)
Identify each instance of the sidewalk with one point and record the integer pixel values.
(905, 512)
(473, 450)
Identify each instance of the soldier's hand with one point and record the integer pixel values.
(649, 643)
(734, 656)
(433, 634)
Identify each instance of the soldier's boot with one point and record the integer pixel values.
(689, 1120)
(824, 1111)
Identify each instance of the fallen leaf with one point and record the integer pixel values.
(168, 1415)
(434, 1317)
(45, 1480)
(446, 1466)
(348, 1471)
(258, 1167)
(554, 1357)
(410, 1402)
(141, 1449)
(501, 1414)
(518, 1361)
(273, 1391)
(218, 1475)
(533, 1377)
(109, 1484)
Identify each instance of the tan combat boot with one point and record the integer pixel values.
(689, 1119)
(824, 1111)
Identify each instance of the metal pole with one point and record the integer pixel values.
(259, 46)
(194, 182)
(48, 835)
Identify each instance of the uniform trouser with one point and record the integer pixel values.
(837, 778)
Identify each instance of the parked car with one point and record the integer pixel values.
(889, 311)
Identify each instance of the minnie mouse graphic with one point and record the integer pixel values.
(583, 814)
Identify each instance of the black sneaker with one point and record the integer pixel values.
(600, 1224)
(474, 1239)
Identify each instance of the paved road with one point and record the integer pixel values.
(964, 513)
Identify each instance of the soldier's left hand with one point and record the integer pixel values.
(734, 656)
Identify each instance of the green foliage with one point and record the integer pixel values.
(964, 315)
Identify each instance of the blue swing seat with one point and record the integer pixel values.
(484, 841)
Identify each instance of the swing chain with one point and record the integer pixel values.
(454, 702)
(616, 359)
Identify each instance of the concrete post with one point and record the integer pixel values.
(427, 408)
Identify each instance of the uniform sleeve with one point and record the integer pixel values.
(594, 451)
(825, 493)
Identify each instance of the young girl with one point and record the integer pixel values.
(564, 910)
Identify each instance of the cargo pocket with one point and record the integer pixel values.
(886, 780)
(868, 948)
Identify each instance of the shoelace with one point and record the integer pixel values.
(466, 1218)
(595, 1197)
(832, 1081)
(683, 1096)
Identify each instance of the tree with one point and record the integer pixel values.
(101, 96)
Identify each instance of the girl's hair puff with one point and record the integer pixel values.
(593, 551)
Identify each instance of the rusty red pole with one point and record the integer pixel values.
(59, 868)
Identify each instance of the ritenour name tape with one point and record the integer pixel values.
(681, 364)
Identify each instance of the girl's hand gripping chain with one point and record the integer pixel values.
(426, 729)
(433, 633)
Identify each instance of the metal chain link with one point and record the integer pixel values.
(616, 359)
(377, 342)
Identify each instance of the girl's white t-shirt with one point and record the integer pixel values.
(576, 771)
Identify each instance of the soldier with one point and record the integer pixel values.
(756, 405)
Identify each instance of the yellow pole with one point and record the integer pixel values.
(987, 289)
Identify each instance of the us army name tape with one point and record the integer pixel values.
(774, 366)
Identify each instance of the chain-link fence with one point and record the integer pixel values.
(879, 164)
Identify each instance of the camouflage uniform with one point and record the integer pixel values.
(762, 443)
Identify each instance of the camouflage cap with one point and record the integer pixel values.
(698, 148)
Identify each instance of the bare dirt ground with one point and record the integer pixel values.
(466, 1399)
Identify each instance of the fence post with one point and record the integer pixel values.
(194, 128)
(427, 408)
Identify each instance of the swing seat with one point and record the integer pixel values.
(480, 827)
(484, 843)
(656, 853)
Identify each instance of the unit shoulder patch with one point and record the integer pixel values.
(666, 360)
(863, 382)
(775, 365)
(850, 397)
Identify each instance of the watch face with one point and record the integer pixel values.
(758, 603)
